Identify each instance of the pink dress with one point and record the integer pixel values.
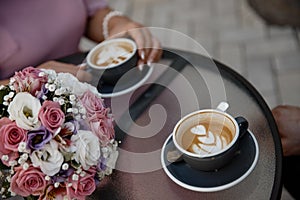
(34, 31)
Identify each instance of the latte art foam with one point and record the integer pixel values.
(202, 142)
(113, 54)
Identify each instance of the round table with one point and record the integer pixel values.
(180, 83)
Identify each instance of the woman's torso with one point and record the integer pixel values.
(34, 31)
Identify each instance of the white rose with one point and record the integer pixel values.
(24, 109)
(49, 159)
(87, 148)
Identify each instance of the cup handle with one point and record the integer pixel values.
(243, 125)
(223, 106)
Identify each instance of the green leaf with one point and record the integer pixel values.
(3, 167)
(31, 197)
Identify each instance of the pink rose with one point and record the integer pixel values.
(4, 121)
(83, 187)
(27, 182)
(10, 138)
(51, 116)
(102, 127)
(97, 115)
(93, 104)
(28, 80)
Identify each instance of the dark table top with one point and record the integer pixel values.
(146, 116)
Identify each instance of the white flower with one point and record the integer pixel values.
(61, 101)
(52, 87)
(111, 157)
(24, 109)
(49, 158)
(76, 87)
(41, 74)
(11, 94)
(50, 72)
(88, 148)
(65, 166)
(22, 147)
(72, 97)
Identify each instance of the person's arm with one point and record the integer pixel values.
(4, 82)
(118, 26)
(77, 71)
(287, 118)
(94, 29)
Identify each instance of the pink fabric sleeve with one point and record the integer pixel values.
(93, 5)
(9, 46)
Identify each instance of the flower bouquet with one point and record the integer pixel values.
(57, 137)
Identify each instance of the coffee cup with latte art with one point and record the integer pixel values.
(208, 139)
(111, 59)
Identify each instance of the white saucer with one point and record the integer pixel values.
(128, 83)
(231, 174)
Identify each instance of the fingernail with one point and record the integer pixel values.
(143, 55)
(141, 67)
(149, 62)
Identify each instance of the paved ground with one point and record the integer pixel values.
(229, 30)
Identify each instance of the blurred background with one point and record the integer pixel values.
(258, 39)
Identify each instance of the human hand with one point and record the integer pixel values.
(288, 123)
(149, 47)
(77, 71)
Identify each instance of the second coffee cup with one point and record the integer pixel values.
(209, 138)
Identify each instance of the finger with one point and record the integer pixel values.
(84, 76)
(118, 35)
(138, 36)
(294, 112)
(82, 66)
(156, 51)
(279, 113)
(66, 68)
(147, 42)
(140, 65)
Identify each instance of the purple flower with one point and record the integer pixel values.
(38, 138)
(44, 91)
(102, 164)
(63, 175)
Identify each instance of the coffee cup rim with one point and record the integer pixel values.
(105, 42)
(194, 155)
